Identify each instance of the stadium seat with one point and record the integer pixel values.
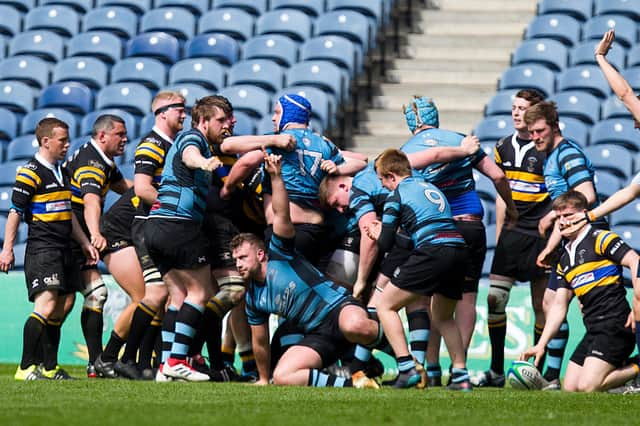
(16, 96)
(484, 186)
(489, 212)
(351, 25)
(196, 7)
(146, 71)
(577, 104)
(313, 8)
(233, 22)
(275, 47)
(76, 144)
(629, 8)
(582, 54)
(584, 77)
(59, 19)
(22, 148)
(80, 6)
(245, 124)
(176, 21)
(23, 233)
(119, 21)
(250, 99)
(156, 45)
(75, 97)
(547, 52)
(28, 69)
(97, 44)
(488, 261)
(218, 47)
(579, 9)
(288, 22)
(528, 77)
(500, 103)
(127, 170)
(8, 124)
(626, 31)
(372, 9)
(632, 75)
(11, 23)
(31, 120)
(137, 6)
(3, 47)
(633, 56)
(338, 50)
(575, 130)
(259, 72)
(627, 215)
(613, 107)
(617, 131)
(323, 108)
(21, 5)
(86, 70)
(205, 72)
(147, 124)
(494, 127)
(490, 232)
(563, 28)
(613, 158)
(606, 183)
(86, 124)
(254, 7)
(131, 145)
(45, 44)
(191, 92)
(131, 97)
(321, 74)
(8, 172)
(488, 148)
(630, 234)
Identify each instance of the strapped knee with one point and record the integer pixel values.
(95, 295)
(152, 276)
(231, 293)
(498, 296)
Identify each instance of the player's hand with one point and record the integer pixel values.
(284, 141)
(358, 288)
(605, 44)
(328, 167)
(272, 163)
(91, 253)
(211, 164)
(631, 322)
(577, 218)
(374, 229)
(225, 192)
(98, 241)
(7, 260)
(470, 144)
(544, 259)
(535, 351)
(545, 223)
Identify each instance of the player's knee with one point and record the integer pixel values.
(282, 376)
(497, 298)
(155, 296)
(95, 295)
(232, 290)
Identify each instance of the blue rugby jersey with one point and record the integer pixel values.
(293, 289)
(566, 167)
(367, 193)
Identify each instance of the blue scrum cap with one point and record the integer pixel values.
(421, 111)
(295, 109)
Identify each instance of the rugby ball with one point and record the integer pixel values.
(524, 375)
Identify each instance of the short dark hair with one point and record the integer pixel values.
(571, 198)
(45, 127)
(543, 110)
(106, 122)
(247, 237)
(530, 95)
(204, 108)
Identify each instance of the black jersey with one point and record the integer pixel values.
(149, 160)
(43, 196)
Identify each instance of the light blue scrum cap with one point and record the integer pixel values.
(295, 109)
(421, 111)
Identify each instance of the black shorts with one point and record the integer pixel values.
(175, 244)
(117, 236)
(433, 269)
(475, 236)
(137, 235)
(613, 344)
(515, 256)
(310, 241)
(393, 259)
(51, 269)
(350, 242)
(220, 230)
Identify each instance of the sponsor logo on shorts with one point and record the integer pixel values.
(34, 283)
(51, 280)
(202, 259)
(595, 352)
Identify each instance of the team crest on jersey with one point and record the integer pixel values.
(531, 164)
(499, 143)
(30, 166)
(581, 254)
(430, 142)
(96, 164)
(306, 141)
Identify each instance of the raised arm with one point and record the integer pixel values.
(442, 154)
(282, 225)
(501, 183)
(242, 144)
(240, 171)
(192, 158)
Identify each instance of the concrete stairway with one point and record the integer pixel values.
(464, 47)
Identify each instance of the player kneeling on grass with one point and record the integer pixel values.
(283, 282)
(590, 268)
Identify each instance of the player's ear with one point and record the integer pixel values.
(261, 255)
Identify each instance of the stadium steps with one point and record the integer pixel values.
(455, 53)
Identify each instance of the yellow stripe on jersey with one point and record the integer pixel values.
(496, 156)
(527, 187)
(583, 277)
(581, 291)
(88, 172)
(28, 177)
(524, 176)
(150, 150)
(77, 200)
(52, 196)
(52, 217)
(603, 240)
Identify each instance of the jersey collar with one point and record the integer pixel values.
(55, 168)
(102, 154)
(162, 134)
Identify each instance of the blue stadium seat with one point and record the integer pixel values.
(500, 103)
(289, 22)
(86, 125)
(488, 259)
(245, 124)
(528, 77)
(259, 72)
(372, 9)
(351, 25)
(233, 22)
(629, 8)
(494, 127)
(3, 47)
(86, 70)
(59, 19)
(147, 71)
(127, 170)
(8, 172)
(489, 212)
(98, 44)
(11, 22)
(16, 96)
(131, 145)
(172, 20)
(313, 8)
(488, 148)
(563, 28)
(29, 69)
(606, 183)
(137, 6)
(617, 131)
(22, 148)
(116, 20)
(157, 45)
(613, 158)
(575, 130)
(547, 52)
(76, 144)
(147, 124)
(196, 7)
(632, 75)
(250, 99)
(630, 234)
(80, 6)
(626, 31)
(254, 7)
(219, 47)
(490, 231)
(582, 54)
(579, 9)
(321, 74)
(587, 78)
(323, 108)
(23, 233)
(75, 97)
(275, 47)
(578, 104)
(31, 120)
(131, 97)
(338, 50)
(191, 93)
(633, 56)
(627, 215)
(22, 5)
(45, 44)
(205, 72)
(613, 107)
(8, 124)
(484, 186)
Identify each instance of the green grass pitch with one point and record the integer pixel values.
(119, 402)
